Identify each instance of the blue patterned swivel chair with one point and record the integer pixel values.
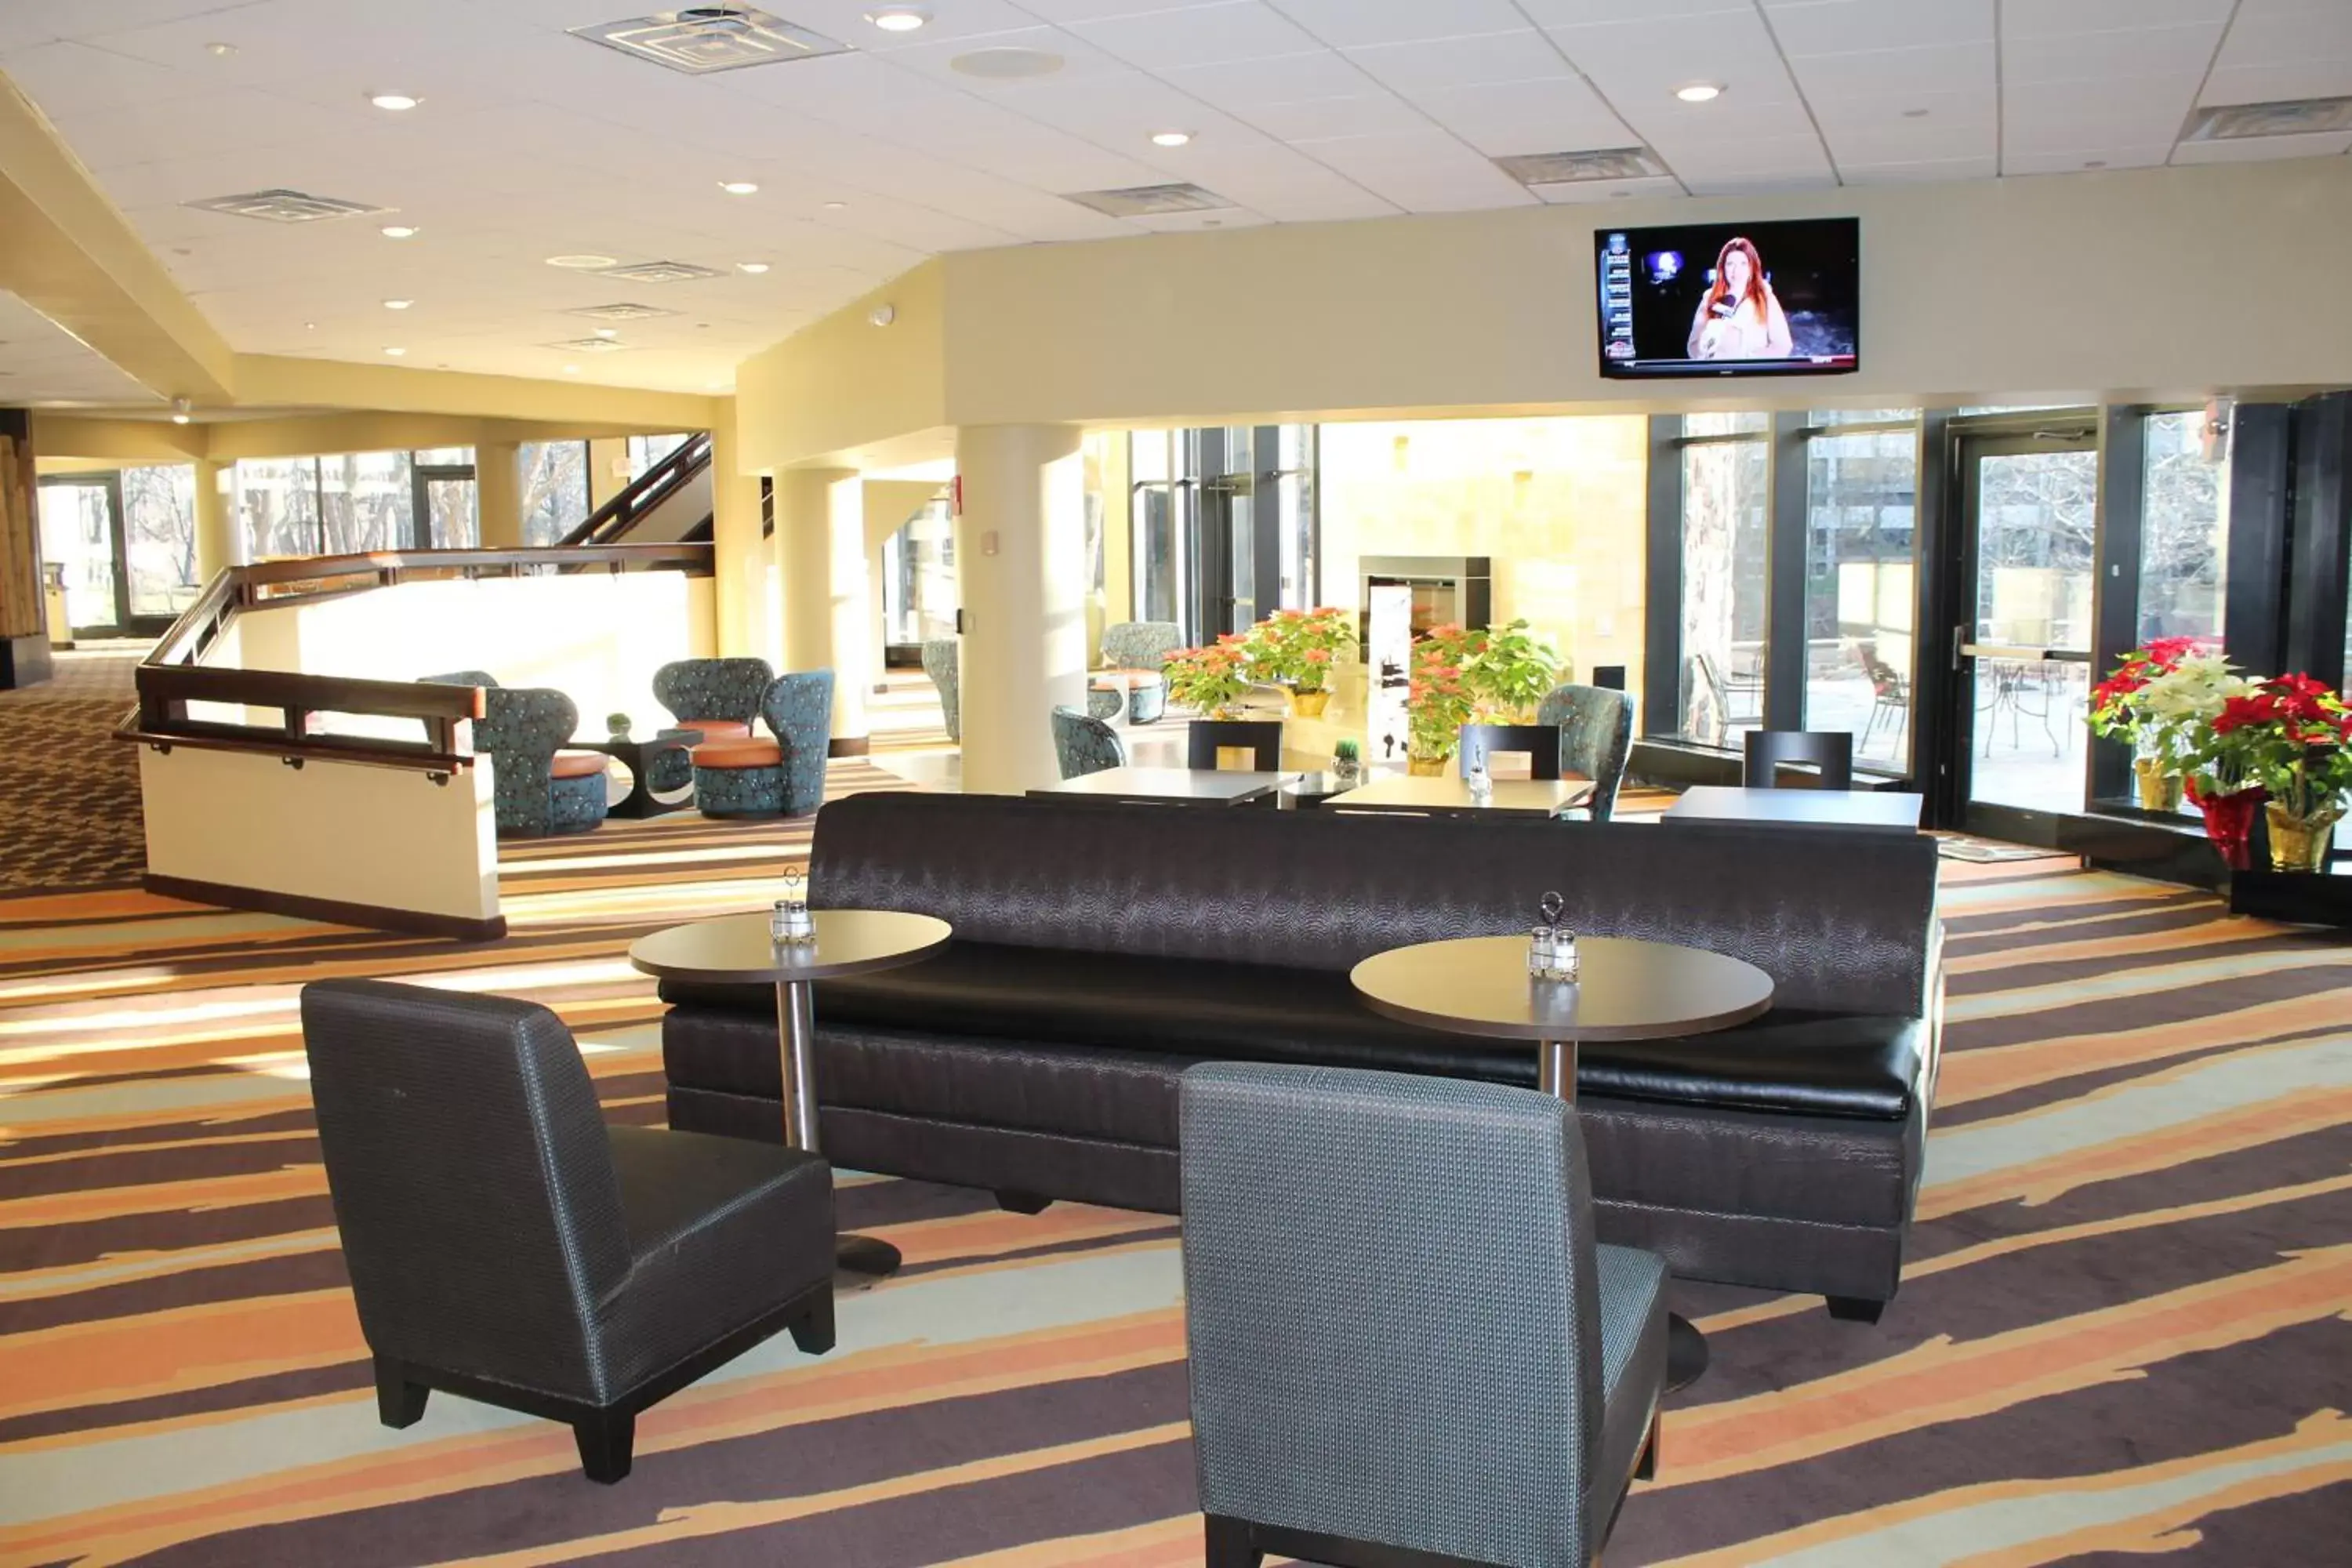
(1596, 735)
(1406, 1346)
(943, 662)
(1085, 744)
(718, 697)
(1136, 650)
(783, 776)
(540, 788)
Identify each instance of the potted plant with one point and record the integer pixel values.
(1299, 649)
(2293, 735)
(1347, 763)
(617, 725)
(1208, 679)
(2151, 700)
(1510, 672)
(1439, 701)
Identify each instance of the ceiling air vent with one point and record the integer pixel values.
(700, 39)
(284, 206)
(659, 272)
(1150, 201)
(620, 313)
(589, 346)
(2292, 117)
(1609, 163)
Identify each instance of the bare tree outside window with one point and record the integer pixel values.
(555, 489)
(1724, 584)
(2184, 531)
(279, 499)
(159, 532)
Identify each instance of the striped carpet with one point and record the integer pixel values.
(2123, 1332)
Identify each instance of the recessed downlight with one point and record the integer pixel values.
(572, 370)
(395, 353)
(179, 419)
(899, 18)
(1700, 92)
(398, 304)
(608, 332)
(220, 51)
(739, 188)
(399, 231)
(583, 263)
(1170, 138)
(393, 102)
(836, 206)
(753, 268)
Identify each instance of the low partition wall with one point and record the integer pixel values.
(354, 842)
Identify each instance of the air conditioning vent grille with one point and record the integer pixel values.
(284, 206)
(659, 272)
(700, 40)
(620, 311)
(2288, 117)
(1150, 201)
(589, 346)
(1609, 164)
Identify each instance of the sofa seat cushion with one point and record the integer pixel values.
(725, 755)
(1805, 1063)
(577, 764)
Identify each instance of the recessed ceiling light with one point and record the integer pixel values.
(1700, 92)
(397, 102)
(572, 370)
(1170, 138)
(836, 206)
(310, 326)
(899, 18)
(607, 332)
(399, 231)
(583, 263)
(220, 51)
(754, 268)
(739, 188)
(179, 419)
(395, 353)
(398, 304)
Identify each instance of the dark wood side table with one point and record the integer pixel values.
(639, 757)
(735, 949)
(1625, 990)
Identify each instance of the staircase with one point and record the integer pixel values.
(669, 503)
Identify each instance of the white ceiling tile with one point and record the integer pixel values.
(24, 23)
(1242, 85)
(2058, 116)
(2041, 19)
(1524, 55)
(1572, 13)
(2272, 84)
(1198, 36)
(1848, 26)
(1578, 192)
(1911, 141)
(1792, 156)
(2253, 150)
(1635, 63)
(2104, 58)
(1096, 10)
(845, 21)
(1940, 67)
(1193, 223)
(1758, 184)
(71, 79)
(1527, 117)
(937, 60)
(1978, 107)
(1347, 24)
(1984, 166)
(2080, 160)
(1372, 114)
(2281, 32)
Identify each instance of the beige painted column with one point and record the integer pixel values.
(1021, 569)
(498, 491)
(220, 542)
(738, 555)
(821, 545)
(604, 482)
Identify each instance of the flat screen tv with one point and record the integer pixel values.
(1729, 299)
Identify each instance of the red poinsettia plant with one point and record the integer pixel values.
(1440, 699)
(2292, 736)
(1299, 647)
(2123, 706)
(1209, 678)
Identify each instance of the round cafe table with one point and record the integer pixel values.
(1624, 990)
(735, 949)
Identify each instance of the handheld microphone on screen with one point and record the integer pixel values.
(1723, 310)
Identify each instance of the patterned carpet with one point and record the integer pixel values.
(71, 791)
(2123, 1332)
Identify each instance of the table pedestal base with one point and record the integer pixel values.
(796, 1022)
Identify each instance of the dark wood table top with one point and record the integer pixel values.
(1626, 990)
(1174, 786)
(1451, 796)
(1880, 810)
(734, 950)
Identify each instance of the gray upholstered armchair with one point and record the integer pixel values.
(718, 698)
(1085, 744)
(1596, 736)
(1403, 1339)
(505, 1246)
(1140, 647)
(943, 662)
(539, 788)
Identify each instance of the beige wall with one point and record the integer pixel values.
(595, 637)
(1560, 505)
(845, 381)
(383, 836)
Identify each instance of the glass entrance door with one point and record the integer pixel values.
(2022, 649)
(82, 529)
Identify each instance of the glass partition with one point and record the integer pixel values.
(2184, 531)
(554, 489)
(366, 502)
(1725, 485)
(279, 499)
(159, 538)
(1862, 511)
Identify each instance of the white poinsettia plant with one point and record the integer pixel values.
(2191, 693)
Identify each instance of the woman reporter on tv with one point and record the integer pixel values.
(1740, 318)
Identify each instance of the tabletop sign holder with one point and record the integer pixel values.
(1551, 947)
(789, 923)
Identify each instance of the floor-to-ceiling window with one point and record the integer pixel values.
(1861, 500)
(345, 503)
(2184, 529)
(159, 539)
(367, 501)
(555, 489)
(1224, 525)
(647, 451)
(1725, 599)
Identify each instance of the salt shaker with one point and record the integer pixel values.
(1482, 788)
(1563, 953)
(1543, 941)
(1539, 954)
(789, 922)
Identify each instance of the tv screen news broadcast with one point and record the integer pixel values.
(1729, 299)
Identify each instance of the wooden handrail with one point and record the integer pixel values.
(644, 493)
(170, 677)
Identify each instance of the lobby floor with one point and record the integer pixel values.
(2123, 1331)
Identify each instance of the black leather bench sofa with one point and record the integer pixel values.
(1099, 951)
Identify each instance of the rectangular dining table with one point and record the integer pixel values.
(1170, 787)
(1870, 810)
(1407, 795)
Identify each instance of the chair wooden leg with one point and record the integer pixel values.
(606, 1438)
(398, 1402)
(1229, 1544)
(814, 1332)
(1855, 1309)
